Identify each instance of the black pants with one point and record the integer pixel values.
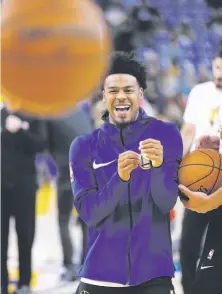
(209, 274)
(155, 286)
(193, 228)
(18, 200)
(65, 208)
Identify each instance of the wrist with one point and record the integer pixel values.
(123, 179)
(214, 202)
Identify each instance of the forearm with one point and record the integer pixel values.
(94, 206)
(164, 190)
(188, 135)
(215, 199)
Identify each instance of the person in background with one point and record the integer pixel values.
(209, 272)
(22, 138)
(199, 120)
(60, 134)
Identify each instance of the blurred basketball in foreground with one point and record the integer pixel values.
(54, 53)
(201, 170)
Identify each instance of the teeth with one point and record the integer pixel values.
(120, 108)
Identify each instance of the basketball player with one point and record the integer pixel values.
(199, 117)
(22, 138)
(209, 273)
(126, 200)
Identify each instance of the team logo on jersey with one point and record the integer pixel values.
(210, 255)
(213, 115)
(203, 189)
(145, 163)
(71, 172)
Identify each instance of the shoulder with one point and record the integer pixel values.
(82, 144)
(164, 128)
(168, 134)
(201, 89)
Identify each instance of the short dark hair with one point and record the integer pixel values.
(125, 63)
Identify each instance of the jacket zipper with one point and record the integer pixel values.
(130, 217)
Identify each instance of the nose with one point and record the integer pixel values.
(121, 95)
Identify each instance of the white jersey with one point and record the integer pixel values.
(219, 126)
(202, 109)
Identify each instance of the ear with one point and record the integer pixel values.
(104, 96)
(141, 94)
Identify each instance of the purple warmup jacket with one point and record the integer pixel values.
(129, 238)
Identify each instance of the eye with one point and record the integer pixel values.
(113, 91)
(129, 91)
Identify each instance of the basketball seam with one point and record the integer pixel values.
(201, 178)
(213, 168)
(217, 175)
(200, 164)
(205, 165)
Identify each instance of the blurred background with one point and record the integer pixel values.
(177, 40)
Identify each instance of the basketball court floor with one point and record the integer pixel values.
(47, 254)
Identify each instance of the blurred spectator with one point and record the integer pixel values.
(22, 138)
(145, 17)
(115, 13)
(123, 40)
(185, 33)
(215, 23)
(214, 3)
(204, 75)
(61, 133)
(152, 92)
(98, 108)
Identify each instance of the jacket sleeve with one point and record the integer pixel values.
(164, 185)
(34, 139)
(92, 204)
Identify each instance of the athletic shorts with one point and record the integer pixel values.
(156, 286)
(209, 273)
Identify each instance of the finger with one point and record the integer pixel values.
(129, 154)
(151, 148)
(149, 141)
(126, 153)
(128, 162)
(185, 190)
(154, 143)
(153, 156)
(130, 167)
(151, 151)
(128, 158)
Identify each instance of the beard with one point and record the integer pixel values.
(124, 124)
(218, 83)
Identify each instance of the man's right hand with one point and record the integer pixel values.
(127, 162)
(208, 142)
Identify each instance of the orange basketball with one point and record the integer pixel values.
(54, 53)
(201, 170)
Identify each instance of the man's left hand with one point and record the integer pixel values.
(152, 150)
(198, 201)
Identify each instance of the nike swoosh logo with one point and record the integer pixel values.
(203, 267)
(95, 166)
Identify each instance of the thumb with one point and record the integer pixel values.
(184, 190)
